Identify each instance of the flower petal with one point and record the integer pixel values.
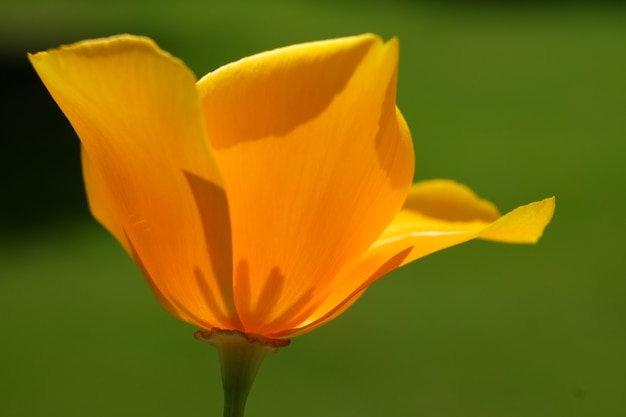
(413, 235)
(448, 200)
(150, 176)
(316, 161)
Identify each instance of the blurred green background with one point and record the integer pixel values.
(520, 102)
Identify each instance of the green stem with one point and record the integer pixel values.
(240, 357)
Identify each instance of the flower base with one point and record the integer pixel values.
(240, 357)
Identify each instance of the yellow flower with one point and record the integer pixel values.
(267, 196)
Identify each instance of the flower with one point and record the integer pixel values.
(267, 196)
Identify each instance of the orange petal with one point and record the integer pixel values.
(149, 174)
(412, 235)
(316, 161)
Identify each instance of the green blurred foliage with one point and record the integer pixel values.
(520, 102)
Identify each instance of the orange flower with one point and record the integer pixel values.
(267, 196)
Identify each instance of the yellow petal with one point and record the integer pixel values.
(315, 160)
(523, 225)
(450, 201)
(150, 176)
(412, 235)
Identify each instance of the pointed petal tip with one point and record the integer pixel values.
(393, 42)
(524, 224)
(377, 38)
(36, 56)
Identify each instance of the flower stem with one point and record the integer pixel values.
(240, 357)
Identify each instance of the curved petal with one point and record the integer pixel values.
(413, 235)
(450, 201)
(441, 213)
(316, 161)
(149, 174)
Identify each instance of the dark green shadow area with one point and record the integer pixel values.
(519, 102)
